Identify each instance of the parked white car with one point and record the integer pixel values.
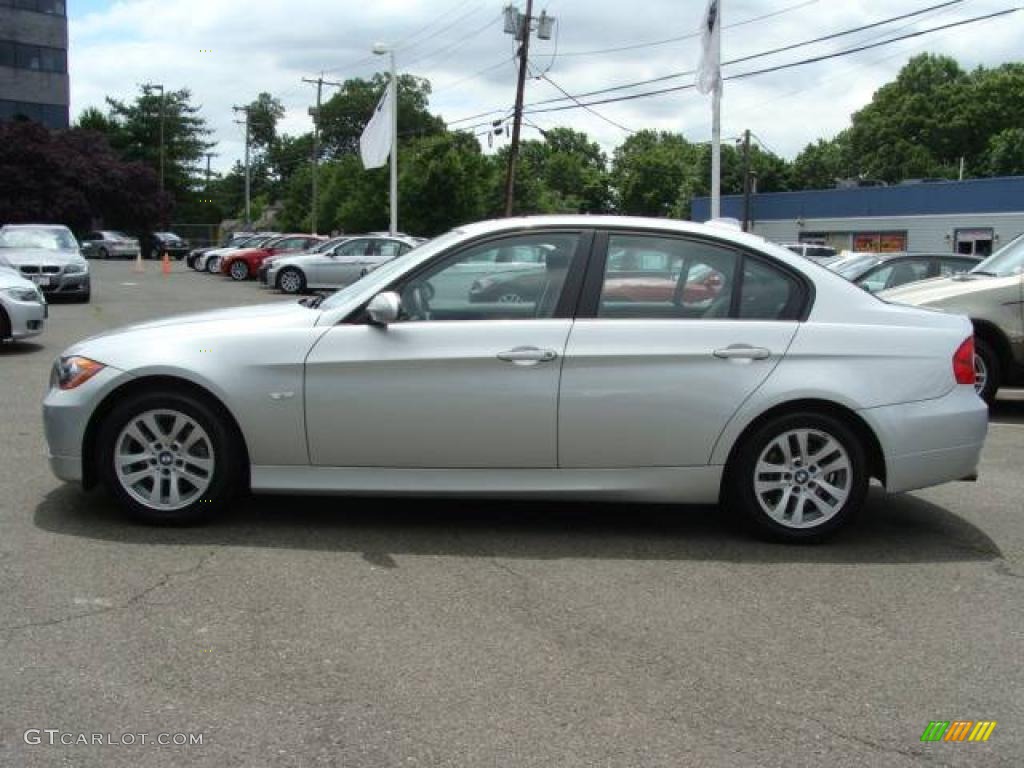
(750, 376)
(22, 306)
(336, 267)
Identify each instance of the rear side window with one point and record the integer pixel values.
(768, 293)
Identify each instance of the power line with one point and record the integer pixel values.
(405, 41)
(457, 44)
(780, 67)
(463, 17)
(690, 35)
(592, 111)
(676, 75)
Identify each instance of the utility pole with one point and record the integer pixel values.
(315, 114)
(248, 202)
(746, 180)
(521, 26)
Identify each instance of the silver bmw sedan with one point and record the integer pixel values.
(644, 360)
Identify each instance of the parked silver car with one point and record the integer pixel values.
(109, 244)
(777, 387)
(336, 267)
(47, 255)
(22, 306)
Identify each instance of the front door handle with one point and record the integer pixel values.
(743, 352)
(527, 355)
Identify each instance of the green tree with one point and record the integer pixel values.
(822, 164)
(656, 174)
(1004, 155)
(345, 114)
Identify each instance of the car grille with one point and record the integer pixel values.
(37, 270)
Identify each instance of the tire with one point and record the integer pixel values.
(291, 280)
(84, 298)
(206, 473)
(987, 369)
(209, 266)
(103, 253)
(793, 505)
(239, 270)
(5, 325)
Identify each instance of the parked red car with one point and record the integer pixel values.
(245, 264)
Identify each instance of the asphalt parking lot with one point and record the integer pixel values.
(341, 632)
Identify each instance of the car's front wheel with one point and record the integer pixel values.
(798, 477)
(168, 457)
(291, 280)
(212, 266)
(239, 270)
(986, 371)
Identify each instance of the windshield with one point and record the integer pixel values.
(1008, 260)
(383, 275)
(47, 238)
(853, 266)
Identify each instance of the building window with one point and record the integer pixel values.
(51, 7)
(880, 242)
(38, 58)
(50, 115)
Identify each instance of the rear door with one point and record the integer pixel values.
(651, 378)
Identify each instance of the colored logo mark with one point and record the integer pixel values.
(958, 730)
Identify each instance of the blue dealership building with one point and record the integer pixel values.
(972, 216)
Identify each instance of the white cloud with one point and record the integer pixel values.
(271, 44)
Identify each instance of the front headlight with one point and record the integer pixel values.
(73, 371)
(25, 294)
(76, 268)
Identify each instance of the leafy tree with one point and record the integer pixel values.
(344, 115)
(655, 174)
(1005, 154)
(72, 177)
(823, 163)
(264, 113)
(442, 182)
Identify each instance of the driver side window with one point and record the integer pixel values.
(511, 278)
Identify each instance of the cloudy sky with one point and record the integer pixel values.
(226, 51)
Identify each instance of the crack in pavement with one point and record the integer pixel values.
(160, 583)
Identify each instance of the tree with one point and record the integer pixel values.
(133, 130)
(442, 182)
(1004, 155)
(822, 164)
(72, 177)
(264, 113)
(344, 115)
(656, 174)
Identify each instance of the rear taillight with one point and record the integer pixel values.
(963, 363)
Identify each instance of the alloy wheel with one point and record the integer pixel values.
(164, 459)
(239, 270)
(290, 281)
(980, 374)
(803, 478)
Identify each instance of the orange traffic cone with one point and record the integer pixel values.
(166, 267)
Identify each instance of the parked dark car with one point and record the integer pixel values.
(876, 272)
(155, 244)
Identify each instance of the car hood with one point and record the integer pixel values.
(247, 252)
(206, 326)
(11, 279)
(945, 289)
(19, 256)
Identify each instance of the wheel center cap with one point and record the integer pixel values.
(802, 477)
(166, 458)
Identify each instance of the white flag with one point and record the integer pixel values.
(375, 143)
(709, 74)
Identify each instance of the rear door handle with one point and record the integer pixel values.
(527, 355)
(743, 352)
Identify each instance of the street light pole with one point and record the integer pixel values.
(248, 202)
(381, 49)
(315, 114)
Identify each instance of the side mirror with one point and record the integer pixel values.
(384, 308)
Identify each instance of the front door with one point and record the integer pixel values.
(653, 377)
(453, 383)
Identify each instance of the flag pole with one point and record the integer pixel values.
(716, 152)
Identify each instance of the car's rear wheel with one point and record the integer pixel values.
(168, 457)
(239, 270)
(799, 477)
(986, 371)
(103, 253)
(291, 280)
(5, 325)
